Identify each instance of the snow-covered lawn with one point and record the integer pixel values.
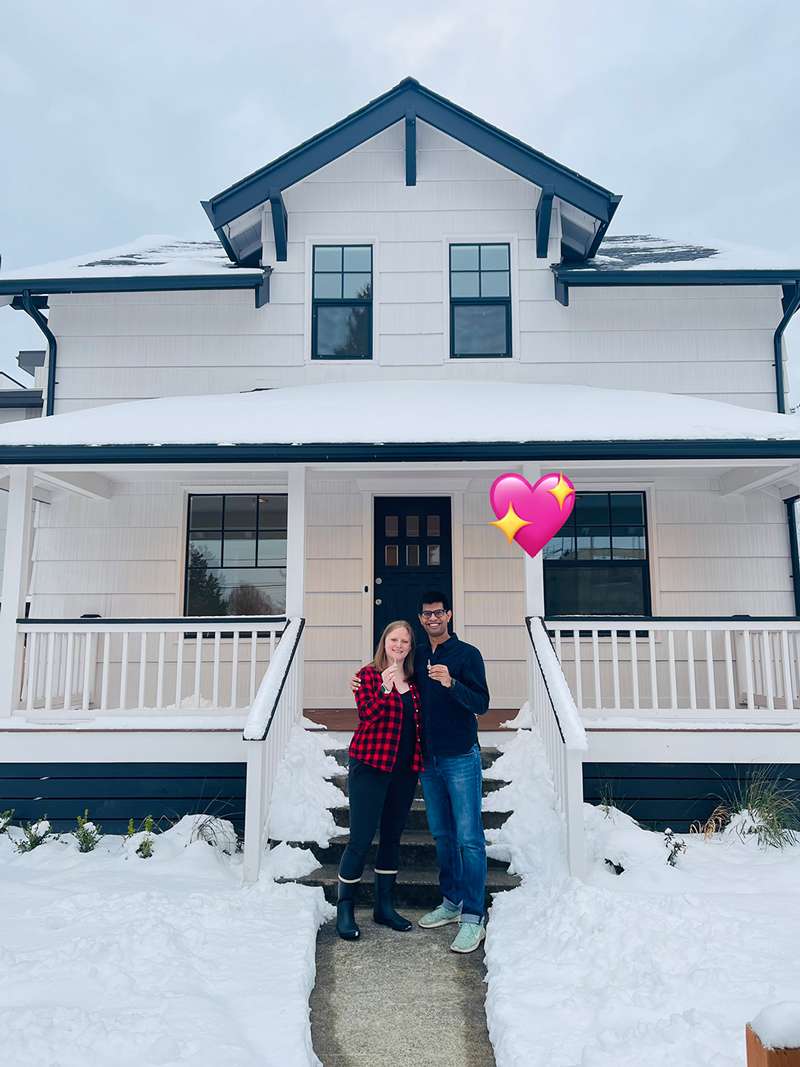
(656, 966)
(111, 960)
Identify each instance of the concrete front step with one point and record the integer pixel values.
(417, 849)
(488, 756)
(490, 785)
(415, 887)
(418, 819)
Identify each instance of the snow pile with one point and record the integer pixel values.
(108, 958)
(657, 965)
(303, 792)
(778, 1026)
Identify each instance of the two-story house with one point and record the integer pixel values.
(300, 419)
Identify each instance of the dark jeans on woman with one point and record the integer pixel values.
(376, 798)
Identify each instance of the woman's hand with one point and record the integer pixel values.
(390, 675)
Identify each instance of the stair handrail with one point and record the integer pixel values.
(275, 710)
(558, 723)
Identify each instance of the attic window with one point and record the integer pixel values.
(341, 316)
(480, 301)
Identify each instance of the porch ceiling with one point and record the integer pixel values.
(406, 421)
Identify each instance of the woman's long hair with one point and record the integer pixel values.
(381, 660)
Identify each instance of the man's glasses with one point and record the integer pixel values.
(437, 613)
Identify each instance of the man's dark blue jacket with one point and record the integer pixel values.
(448, 715)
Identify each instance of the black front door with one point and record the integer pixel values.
(413, 553)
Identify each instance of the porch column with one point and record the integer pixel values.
(16, 565)
(296, 566)
(534, 566)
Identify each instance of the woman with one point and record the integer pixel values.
(385, 760)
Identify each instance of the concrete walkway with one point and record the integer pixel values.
(398, 1000)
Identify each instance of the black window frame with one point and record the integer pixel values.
(351, 302)
(642, 565)
(256, 530)
(480, 301)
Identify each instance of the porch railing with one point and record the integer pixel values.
(563, 736)
(699, 668)
(152, 666)
(277, 707)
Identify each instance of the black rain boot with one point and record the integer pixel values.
(384, 912)
(346, 926)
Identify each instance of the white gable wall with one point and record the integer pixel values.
(713, 342)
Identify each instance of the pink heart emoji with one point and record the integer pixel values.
(543, 508)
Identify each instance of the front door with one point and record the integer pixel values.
(413, 553)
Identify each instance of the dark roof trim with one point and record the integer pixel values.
(790, 303)
(567, 278)
(20, 398)
(558, 452)
(394, 106)
(142, 284)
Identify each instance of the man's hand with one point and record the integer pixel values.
(441, 674)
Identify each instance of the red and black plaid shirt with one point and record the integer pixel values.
(380, 724)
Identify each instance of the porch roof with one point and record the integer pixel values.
(400, 420)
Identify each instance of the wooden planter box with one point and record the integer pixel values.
(758, 1056)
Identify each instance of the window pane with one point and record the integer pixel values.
(591, 509)
(327, 286)
(240, 512)
(412, 555)
(434, 526)
(391, 555)
(594, 589)
(412, 526)
(562, 546)
(628, 542)
(272, 512)
(434, 556)
(254, 592)
(271, 547)
(343, 331)
(594, 543)
(239, 549)
(205, 547)
(494, 257)
(205, 512)
(391, 526)
(479, 330)
(466, 284)
(204, 593)
(357, 286)
(464, 257)
(328, 258)
(358, 257)
(627, 509)
(495, 283)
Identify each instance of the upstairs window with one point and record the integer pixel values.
(236, 554)
(341, 316)
(480, 301)
(597, 562)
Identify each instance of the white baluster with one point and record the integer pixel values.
(766, 655)
(651, 640)
(123, 673)
(162, 638)
(748, 662)
(634, 671)
(140, 701)
(690, 668)
(598, 694)
(673, 679)
(712, 689)
(787, 671)
(576, 642)
(729, 672)
(68, 671)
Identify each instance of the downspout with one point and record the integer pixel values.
(791, 302)
(791, 518)
(30, 309)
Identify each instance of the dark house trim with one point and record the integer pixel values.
(791, 520)
(558, 452)
(411, 98)
(21, 398)
(141, 284)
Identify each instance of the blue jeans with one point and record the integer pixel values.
(452, 788)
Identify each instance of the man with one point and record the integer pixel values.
(451, 678)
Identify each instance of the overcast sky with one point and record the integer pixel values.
(118, 118)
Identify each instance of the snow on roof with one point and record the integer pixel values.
(644, 252)
(404, 412)
(155, 254)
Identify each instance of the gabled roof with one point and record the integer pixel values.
(594, 206)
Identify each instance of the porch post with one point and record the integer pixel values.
(16, 564)
(296, 563)
(534, 567)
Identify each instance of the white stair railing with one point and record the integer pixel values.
(559, 725)
(277, 707)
